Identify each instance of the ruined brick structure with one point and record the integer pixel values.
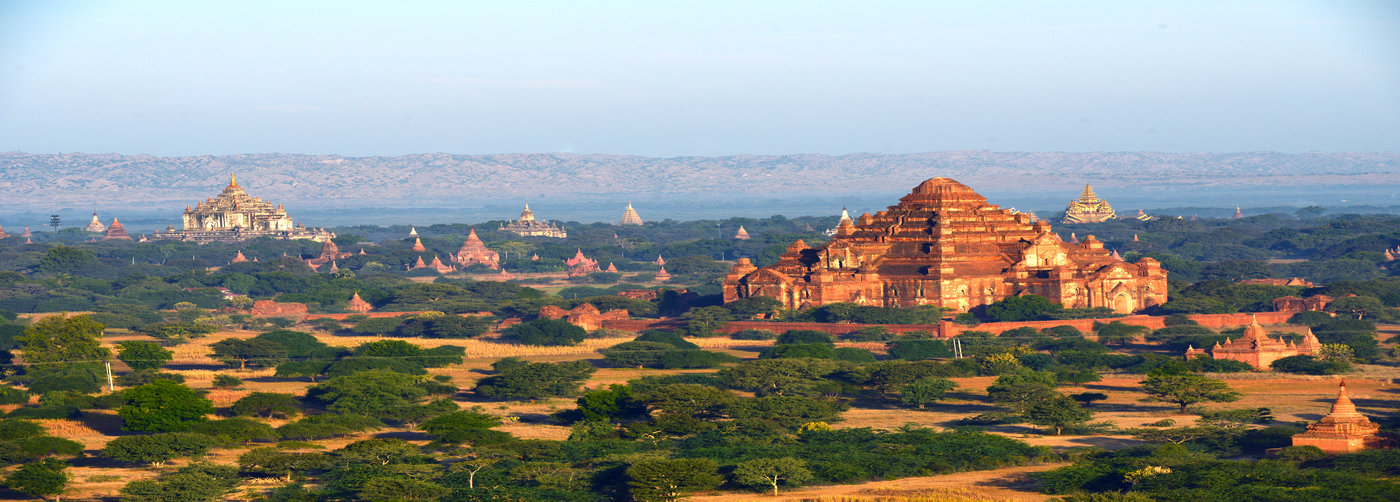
(1088, 208)
(329, 253)
(1343, 430)
(1296, 304)
(270, 308)
(1257, 349)
(944, 245)
(474, 251)
(235, 216)
(581, 265)
(585, 315)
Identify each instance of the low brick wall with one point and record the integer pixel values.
(950, 329)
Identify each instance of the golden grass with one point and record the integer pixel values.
(66, 427)
(930, 495)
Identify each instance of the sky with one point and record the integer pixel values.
(667, 79)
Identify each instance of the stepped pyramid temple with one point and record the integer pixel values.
(116, 232)
(528, 226)
(742, 234)
(236, 216)
(95, 225)
(1088, 208)
(1257, 349)
(630, 216)
(2, 233)
(944, 245)
(474, 251)
(1344, 430)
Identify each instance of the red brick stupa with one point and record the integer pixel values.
(115, 232)
(1344, 430)
(2, 233)
(661, 275)
(358, 304)
(742, 234)
(474, 251)
(1257, 349)
(581, 265)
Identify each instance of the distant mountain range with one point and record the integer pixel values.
(111, 180)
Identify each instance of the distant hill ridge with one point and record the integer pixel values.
(81, 179)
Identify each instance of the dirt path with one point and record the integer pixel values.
(1006, 484)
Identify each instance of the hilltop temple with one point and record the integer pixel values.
(1257, 349)
(1088, 208)
(1343, 430)
(235, 216)
(528, 226)
(630, 216)
(474, 251)
(944, 245)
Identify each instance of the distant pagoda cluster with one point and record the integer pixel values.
(1088, 208)
(473, 251)
(1257, 349)
(528, 226)
(235, 216)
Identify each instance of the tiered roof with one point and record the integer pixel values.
(1344, 429)
(116, 232)
(630, 216)
(742, 234)
(474, 251)
(95, 225)
(1088, 208)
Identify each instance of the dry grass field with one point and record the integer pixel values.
(1291, 397)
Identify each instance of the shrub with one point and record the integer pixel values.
(799, 350)
(1309, 365)
(915, 350)
(545, 332)
(668, 337)
(802, 336)
(227, 382)
(693, 359)
(156, 449)
(853, 354)
(754, 334)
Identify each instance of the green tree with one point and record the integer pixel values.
(917, 350)
(535, 381)
(1057, 411)
(761, 473)
(242, 352)
(1021, 389)
(376, 451)
(780, 376)
(163, 406)
(236, 431)
(545, 332)
(56, 339)
(156, 449)
(1088, 398)
(635, 353)
(661, 479)
(459, 426)
(705, 321)
(925, 391)
(66, 259)
(401, 488)
(374, 392)
(43, 478)
(266, 405)
(143, 355)
(1118, 333)
(1186, 390)
(1020, 308)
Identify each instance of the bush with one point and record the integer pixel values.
(11, 395)
(802, 336)
(635, 353)
(668, 337)
(799, 350)
(870, 334)
(144, 377)
(545, 332)
(156, 449)
(915, 350)
(266, 405)
(853, 354)
(693, 359)
(754, 334)
(227, 382)
(1310, 365)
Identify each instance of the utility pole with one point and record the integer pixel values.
(111, 387)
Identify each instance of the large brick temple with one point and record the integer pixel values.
(944, 245)
(234, 216)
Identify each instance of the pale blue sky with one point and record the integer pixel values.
(697, 78)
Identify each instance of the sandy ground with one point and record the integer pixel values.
(1292, 398)
(1007, 484)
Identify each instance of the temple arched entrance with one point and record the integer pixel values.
(1123, 303)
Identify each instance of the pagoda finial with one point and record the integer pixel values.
(232, 180)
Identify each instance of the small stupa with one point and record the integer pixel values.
(2, 233)
(358, 304)
(239, 258)
(26, 233)
(1343, 430)
(742, 234)
(660, 262)
(661, 275)
(418, 245)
